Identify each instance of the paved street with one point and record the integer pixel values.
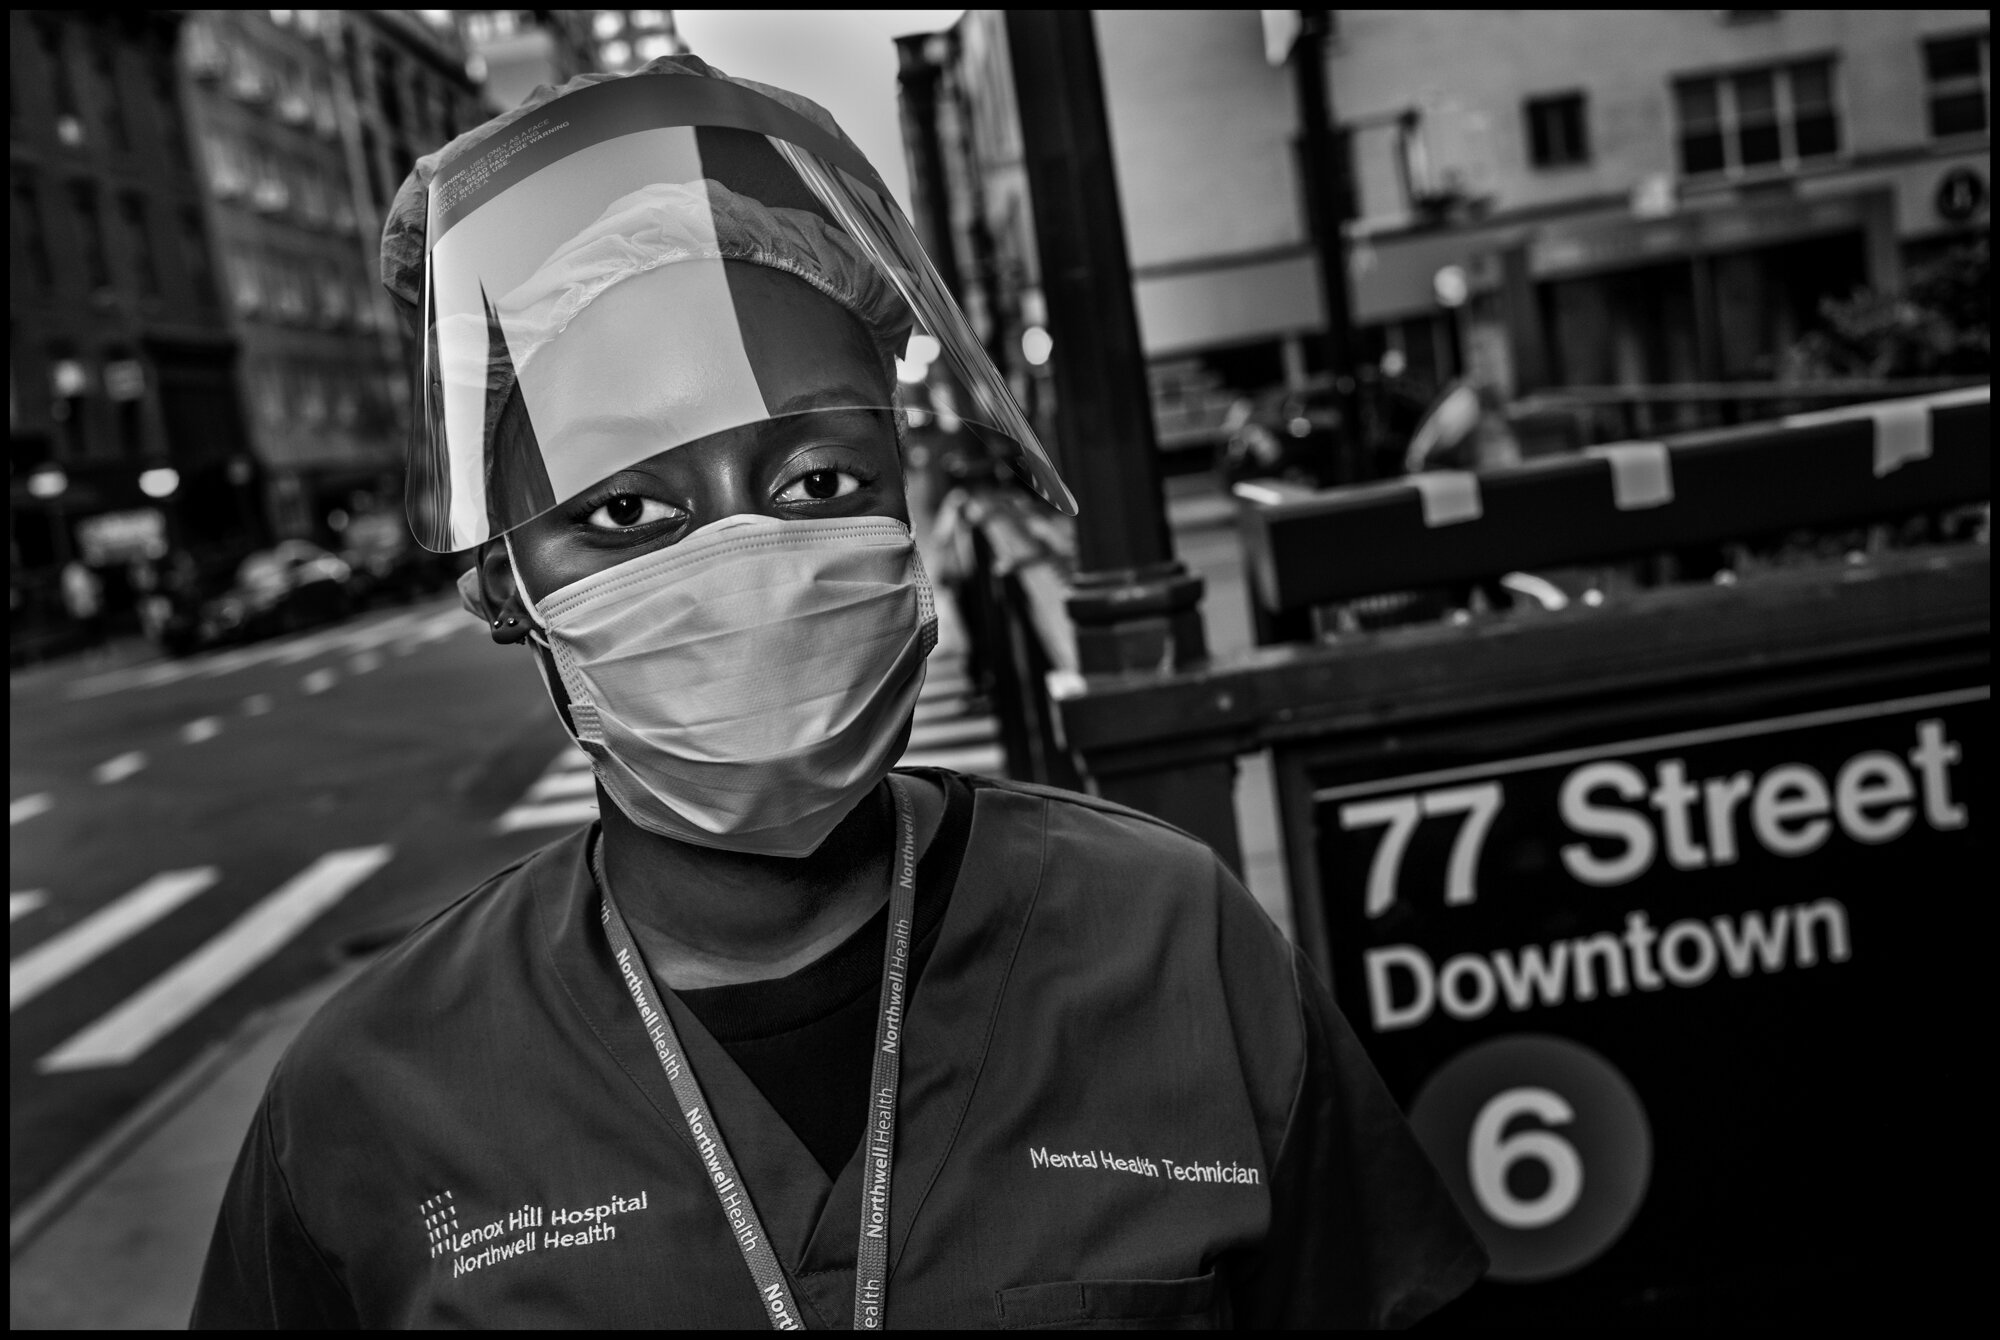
(193, 840)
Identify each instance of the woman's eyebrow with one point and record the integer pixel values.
(837, 397)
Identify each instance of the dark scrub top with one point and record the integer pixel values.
(1125, 1100)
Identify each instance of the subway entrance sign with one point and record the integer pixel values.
(1661, 913)
(1662, 918)
(1642, 991)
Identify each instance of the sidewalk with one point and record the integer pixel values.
(117, 1242)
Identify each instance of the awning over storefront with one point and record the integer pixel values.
(1227, 304)
(1567, 248)
(1392, 275)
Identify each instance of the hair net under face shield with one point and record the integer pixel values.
(621, 274)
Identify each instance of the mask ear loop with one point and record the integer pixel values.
(539, 642)
(537, 625)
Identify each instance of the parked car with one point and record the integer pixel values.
(291, 586)
(384, 561)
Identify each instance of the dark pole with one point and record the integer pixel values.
(917, 77)
(1133, 605)
(1327, 208)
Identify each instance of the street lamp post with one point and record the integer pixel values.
(1134, 609)
(1327, 209)
(1132, 603)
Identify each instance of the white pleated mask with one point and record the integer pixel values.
(746, 688)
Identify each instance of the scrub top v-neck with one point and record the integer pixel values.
(804, 1040)
(1124, 1101)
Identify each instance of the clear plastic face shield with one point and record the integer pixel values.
(636, 268)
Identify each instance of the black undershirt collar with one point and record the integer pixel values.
(804, 1039)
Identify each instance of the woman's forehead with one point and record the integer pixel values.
(685, 352)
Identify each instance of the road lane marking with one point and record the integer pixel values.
(142, 677)
(118, 769)
(27, 807)
(987, 759)
(63, 953)
(546, 816)
(944, 686)
(170, 999)
(363, 663)
(257, 704)
(319, 681)
(20, 904)
(201, 728)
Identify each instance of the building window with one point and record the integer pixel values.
(194, 255)
(167, 99)
(1557, 136)
(133, 206)
(90, 233)
(1957, 72)
(32, 242)
(1777, 116)
(104, 56)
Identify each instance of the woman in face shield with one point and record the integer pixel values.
(787, 1038)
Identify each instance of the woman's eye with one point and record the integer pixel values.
(819, 486)
(628, 510)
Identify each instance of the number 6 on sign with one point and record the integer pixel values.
(1491, 1152)
(1478, 803)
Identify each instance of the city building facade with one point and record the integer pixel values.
(125, 429)
(1542, 199)
(625, 39)
(512, 51)
(1657, 196)
(293, 237)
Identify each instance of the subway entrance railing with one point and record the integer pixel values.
(1647, 896)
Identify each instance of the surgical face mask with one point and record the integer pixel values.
(745, 688)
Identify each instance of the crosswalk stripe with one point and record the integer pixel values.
(62, 954)
(547, 816)
(118, 769)
(944, 686)
(172, 997)
(965, 730)
(557, 784)
(24, 808)
(20, 904)
(988, 759)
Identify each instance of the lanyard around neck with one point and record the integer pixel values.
(871, 1255)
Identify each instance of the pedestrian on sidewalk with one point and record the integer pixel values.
(786, 1038)
(83, 600)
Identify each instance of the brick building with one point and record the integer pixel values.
(274, 123)
(125, 431)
